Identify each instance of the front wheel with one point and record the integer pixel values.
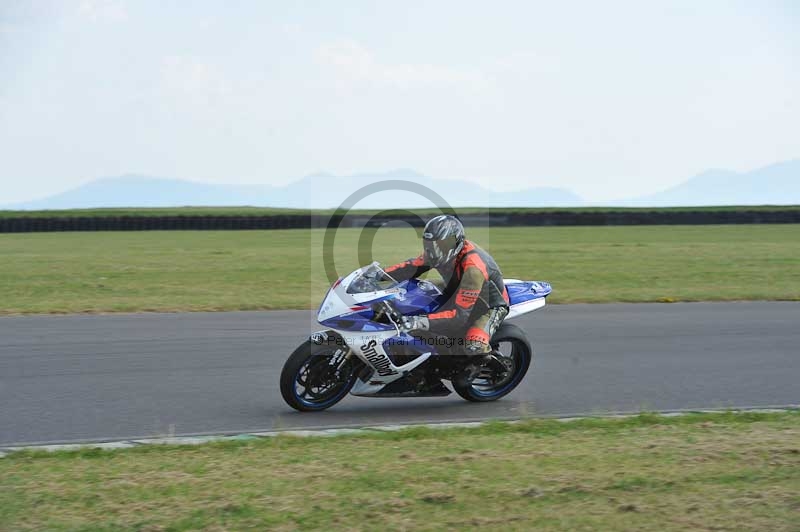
(511, 346)
(316, 377)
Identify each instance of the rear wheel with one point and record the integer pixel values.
(511, 346)
(316, 377)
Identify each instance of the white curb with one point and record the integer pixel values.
(301, 433)
(174, 440)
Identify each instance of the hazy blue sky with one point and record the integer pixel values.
(610, 99)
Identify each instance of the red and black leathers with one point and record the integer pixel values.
(474, 285)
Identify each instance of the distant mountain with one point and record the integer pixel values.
(317, 191)
(144, 191)
(776, 184)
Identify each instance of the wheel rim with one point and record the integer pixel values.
(319, 383)
(489, 382)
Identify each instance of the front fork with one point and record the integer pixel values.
(343, 354)
(341, 357)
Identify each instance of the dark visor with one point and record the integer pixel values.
(437, 250)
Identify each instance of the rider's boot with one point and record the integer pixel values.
(477, 346)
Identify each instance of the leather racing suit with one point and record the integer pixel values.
(476, 300)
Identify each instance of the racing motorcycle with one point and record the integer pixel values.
(366, 350)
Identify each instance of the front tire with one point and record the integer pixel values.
(512, 342)
(309, 383)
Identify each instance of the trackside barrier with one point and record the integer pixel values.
(301, 221)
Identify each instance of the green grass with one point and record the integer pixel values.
(263, 211)
(701, 472)
(229, 270)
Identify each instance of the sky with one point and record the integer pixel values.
(608, 99)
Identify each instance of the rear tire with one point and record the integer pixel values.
(310, 384)
(522, 354)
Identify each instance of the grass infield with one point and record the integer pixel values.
(249, 270)
(698, 472)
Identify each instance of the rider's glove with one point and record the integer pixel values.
(416, 323)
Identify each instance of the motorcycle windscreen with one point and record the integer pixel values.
(372, 279)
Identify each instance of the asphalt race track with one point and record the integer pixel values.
(66, 378)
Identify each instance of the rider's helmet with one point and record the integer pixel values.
(442, 240)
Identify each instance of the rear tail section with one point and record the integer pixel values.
(526, 296)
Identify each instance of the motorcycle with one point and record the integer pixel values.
(366, 351)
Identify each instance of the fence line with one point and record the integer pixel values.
(307, 221)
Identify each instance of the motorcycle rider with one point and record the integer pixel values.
(476, 297)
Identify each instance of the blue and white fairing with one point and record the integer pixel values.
(526, 296)
(349, 309)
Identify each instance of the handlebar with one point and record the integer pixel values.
(392, 312)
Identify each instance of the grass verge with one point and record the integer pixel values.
(249, 270)
(698, 472)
